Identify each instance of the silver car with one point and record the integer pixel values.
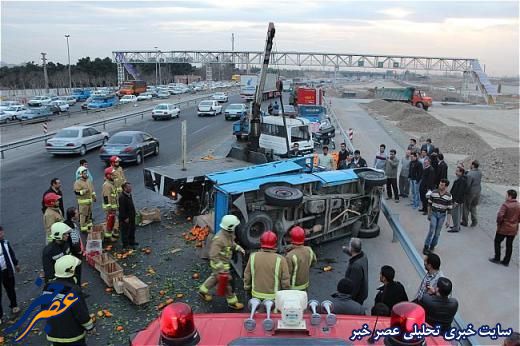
(76, 140)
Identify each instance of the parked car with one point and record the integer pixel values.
(289, 110)
(76, 140)
(15, 111)
(128, 99)
(220, 97)
(165, 111)
(39, 101)
(81, 94)
(71, 100)
(4, 117)
(209, 107)
(84, 105)
(36, 112)
(6, 104)
(129, 146)
(235, 111)
(145, 96)
(163, 94)
(63, 106)
(105, 101)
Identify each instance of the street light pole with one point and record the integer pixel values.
(159, 63)
(156, 60)
(68, 56)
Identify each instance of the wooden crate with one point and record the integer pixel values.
(99, 228)
(118, 284)
(150, 214)
(136, 290)
(90, 257)
(95, 235)
(109, 272)
(102, 259)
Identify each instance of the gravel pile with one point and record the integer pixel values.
(408, 118)
(423, 123)
(458, 140)
(499, 166)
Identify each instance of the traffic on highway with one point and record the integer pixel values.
(227, 204)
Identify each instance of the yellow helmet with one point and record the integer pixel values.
(229, 223)
(65, 266)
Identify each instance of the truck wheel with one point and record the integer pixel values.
(367, 233)
(425, 108)
(419, 105)
(283, 196)
(249, 234)
(372, 178)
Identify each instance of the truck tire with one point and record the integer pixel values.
(367, 233)
(283, 196)
(249, 234)
(419, 105)
(372, 178)
(426, 108)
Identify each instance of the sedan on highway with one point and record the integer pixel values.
(128, 99)
(71, 100)
(129, 146)
(165, 111)
(209, 107)
(15, 111)
(145, 96)
(39, 101)
(163, 94)
(36, 113)
(63, 106)
(76, 140)
(220, 97)
(4, 117)
(235, 111)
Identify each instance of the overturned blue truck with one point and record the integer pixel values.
(276, 196)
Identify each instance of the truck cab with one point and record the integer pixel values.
(420, 100)
(273, 135)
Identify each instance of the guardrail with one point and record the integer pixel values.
(104, 122)
(400, 234)
(337, 124)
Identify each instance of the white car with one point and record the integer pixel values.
(165, 111)
(76, 140)
(71, 100)
(7, 104)
(128, 99)
(145, 96)
(209, 107)
(39, 101)
(15, 111)
(220, 97)
(163, 94)
(62, 105)
(4, 117)
(235, 111)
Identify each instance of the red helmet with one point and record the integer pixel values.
(108, 171)
(50, 199)
(297, 235)
(268, 240)
(114, 159)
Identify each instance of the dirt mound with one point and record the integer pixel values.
(499, 166)
(423, 123)
(395, 111)
(458, 140)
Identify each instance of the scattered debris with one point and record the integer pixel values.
(327, 268)
(499, 166)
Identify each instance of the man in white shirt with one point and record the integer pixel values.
(325, 160)
(8, 265)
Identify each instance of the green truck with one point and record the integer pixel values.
(410, 95)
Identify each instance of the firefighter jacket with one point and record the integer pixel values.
(266, 273)
(109, 195)
(84, 191)
(51, 253)
(51, 216)
(119, 178)
(71, 325)
(221, 250)
(299, 262)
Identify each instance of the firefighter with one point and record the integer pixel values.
(52, 213)
(118, 175)
(57, 248)
(221, 250)
(266, 271)
(299, 260)
(85, 195)
(71, 326)
(109, 202)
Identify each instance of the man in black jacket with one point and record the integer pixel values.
(458, 193)
(442, 170)
(427, 183)
(428, 146)
(392, 292)
(54, 188)
(357, 161)
(343, 157)
(71, 326)
(8, 265)
(127, 216)
(343, 302)
(57, 248)
(440, 308)
(415, 176)
(357, 270)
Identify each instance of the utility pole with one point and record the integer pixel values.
(68, 56)
(46, 78)
(156, 60)
(233, 48)
(159, 63)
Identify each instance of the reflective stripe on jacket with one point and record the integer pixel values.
(299, 262)
(110, 195)
(84, 191)
(266, 273)
(221, 250)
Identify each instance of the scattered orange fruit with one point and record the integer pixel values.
(100, 313)
(107, 313)
(327, 269)
(162, 293)
(169, 301)
(85, 284)
(195, 276)
(120, 328)
(147, 251)
(1, 339)
(179, 295)
(109, 289)
(108, 248)
(160, 306)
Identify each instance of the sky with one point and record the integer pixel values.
(486, 30)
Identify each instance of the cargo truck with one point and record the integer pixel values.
(248, 84)
(133, 87)
(308, 96)
(410, 95)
